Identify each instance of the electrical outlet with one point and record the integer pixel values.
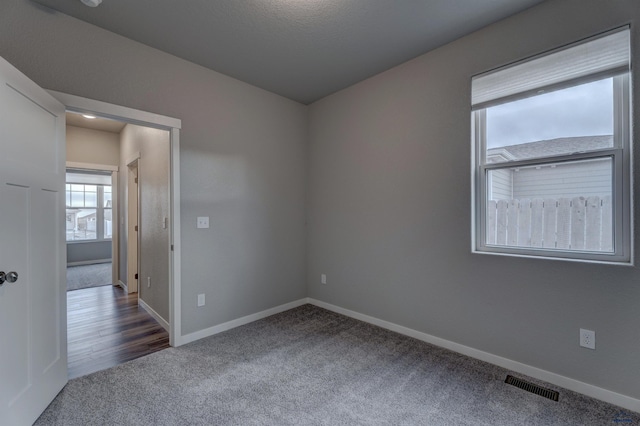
(201, 299)
(148, 282)
(323, 279)
(202, 222)
(587, 339)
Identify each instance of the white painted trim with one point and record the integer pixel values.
(115, 231)
(103, 109)
(122, 286)
(134, 157)
(201, 334)
(91, 166)
(88, 262)
(547, 376)
(148, 119)
(154, 314)
(132, 212)
(175, 263)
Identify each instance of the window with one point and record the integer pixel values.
(552, 154)
(89, 207)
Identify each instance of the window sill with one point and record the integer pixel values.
(612, 262)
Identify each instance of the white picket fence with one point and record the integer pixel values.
(564, 223)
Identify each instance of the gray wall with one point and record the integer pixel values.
(95, 147)
(153, 181)
(243, 155)
(388, 190)
(390, 212)
(88, 252)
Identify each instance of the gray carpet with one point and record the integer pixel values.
(86, 276)
(308, 366)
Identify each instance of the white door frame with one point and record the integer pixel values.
(89, 106)
(133, 212)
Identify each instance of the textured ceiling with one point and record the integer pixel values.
(300, 49)
(97, 123)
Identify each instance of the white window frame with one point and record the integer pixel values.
(99, 213)
(621, 192)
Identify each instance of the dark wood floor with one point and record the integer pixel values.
(105, 327)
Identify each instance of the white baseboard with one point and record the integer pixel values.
(154, 314)
(547, 376)
(123, 286)
(197, 335)
(88, 262)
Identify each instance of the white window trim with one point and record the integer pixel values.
(114, 194)
(621, 182)
(99, 215)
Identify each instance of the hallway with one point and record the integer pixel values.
(106, 327)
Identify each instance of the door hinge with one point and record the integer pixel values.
(136, 277)
(136, 180)
(136, 228)
(171, 247)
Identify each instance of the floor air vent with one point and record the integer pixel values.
(530, 387)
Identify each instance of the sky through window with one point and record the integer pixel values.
(584, 110)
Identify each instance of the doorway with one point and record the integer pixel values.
(36, 345)
(98, 317)
(89, 199)
(88, 106)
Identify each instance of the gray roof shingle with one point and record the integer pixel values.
(547, 148)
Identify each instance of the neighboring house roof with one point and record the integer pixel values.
(84, 213)
(547, 148)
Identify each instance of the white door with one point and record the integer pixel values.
(33, 332)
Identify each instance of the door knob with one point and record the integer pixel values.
(10, 277)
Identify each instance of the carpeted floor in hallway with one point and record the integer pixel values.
(86, 276)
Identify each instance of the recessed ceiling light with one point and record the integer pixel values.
(91, 3)
(89, 116)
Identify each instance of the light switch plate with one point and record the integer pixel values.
(202, 222)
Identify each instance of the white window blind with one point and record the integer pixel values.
(89, 179)
(607, 53)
